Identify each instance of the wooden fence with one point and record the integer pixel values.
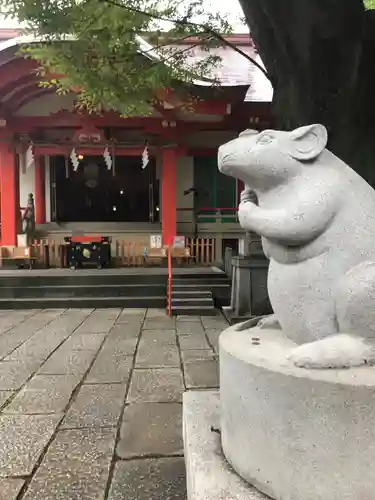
(125, 253)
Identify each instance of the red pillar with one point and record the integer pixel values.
(168, 195)
(10, 206)
(40, 191)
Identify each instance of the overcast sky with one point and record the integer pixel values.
(233, 13)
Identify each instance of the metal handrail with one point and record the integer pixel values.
(169, 293)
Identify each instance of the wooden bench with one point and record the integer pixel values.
(181, 254)
(152, 254)
(22, 255)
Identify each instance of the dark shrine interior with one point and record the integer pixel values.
(93, 193)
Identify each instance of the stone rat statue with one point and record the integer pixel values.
(316, 217)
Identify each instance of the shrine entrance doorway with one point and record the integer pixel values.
(95, 194)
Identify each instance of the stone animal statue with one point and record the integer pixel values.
(316, 217)
(28, 217)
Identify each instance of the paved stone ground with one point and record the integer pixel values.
(90, 401)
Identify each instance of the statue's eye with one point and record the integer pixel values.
(265, 139)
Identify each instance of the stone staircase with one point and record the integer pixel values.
(127, 288)
(199, 295)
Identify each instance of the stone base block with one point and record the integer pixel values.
(293, 433)
(233, 318)
(208, 475)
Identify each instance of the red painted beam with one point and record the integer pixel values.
(212, 108)
(33, 94)
(16, 70)
(57, 150)
(9, 90)
(87, 150)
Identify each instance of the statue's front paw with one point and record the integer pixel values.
(337, 351)
(244, 214)
(262, 322)
(269, 323)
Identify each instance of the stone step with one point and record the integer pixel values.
(158, 302)
(187, 293)
(192, 301)
(202, 280)
(193, 311)
(67, 291)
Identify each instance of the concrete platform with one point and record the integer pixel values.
(208, 475)
(294, 433)
(113, 271)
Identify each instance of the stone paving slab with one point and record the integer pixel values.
(193, 355)
(219, 323)
(151, 355)
(124, 347)
(163, 385)
(190, 319)
(125, 331)
(164, 323)
(151, 429)
(95, 326)
(201, 374)
(44, 394)
(132, 312)
(193, 342)
(84, 342)
(213, 337)
(155, 313)
(190, 328)
(68, 362)
(23, 438)
(9, 488)
(9, 341)
(38, 347)
(162, 337)
(150, 479)
(76, 466)
(110, 367)
(104, 313)
(13, 374)
(128, 317)
(96, 406)
(4, 396)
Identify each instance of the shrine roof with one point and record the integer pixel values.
(240, 80)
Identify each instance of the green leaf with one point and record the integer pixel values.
(104, 59)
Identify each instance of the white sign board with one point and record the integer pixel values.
(155, 241)
(179, 242)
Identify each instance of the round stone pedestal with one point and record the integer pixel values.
(295, 434)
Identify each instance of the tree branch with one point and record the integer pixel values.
(184, 22)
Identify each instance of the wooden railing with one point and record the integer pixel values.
(211, 215)
(125, 253)
(202, 250)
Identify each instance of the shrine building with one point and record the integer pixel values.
(126, 178)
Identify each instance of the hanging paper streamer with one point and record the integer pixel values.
(29, 156)
(107, 158)
(145, 157)
(113, 160)
(74, 160)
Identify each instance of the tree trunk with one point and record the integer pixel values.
(320, 57)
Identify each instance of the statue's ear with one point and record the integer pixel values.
(306, 143)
